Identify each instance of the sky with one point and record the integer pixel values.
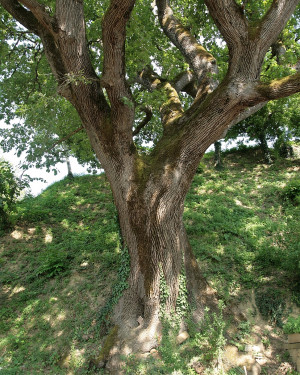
(36, 187)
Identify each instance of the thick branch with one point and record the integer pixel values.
(114, 35)
(186, 82)
(274, 21)
(25, 17)
(230, 20)
(243, 115)
(40, 13)
(171, 108)
(149, 113)
(279, 88)
(200, 61)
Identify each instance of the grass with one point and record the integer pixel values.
(60, 263)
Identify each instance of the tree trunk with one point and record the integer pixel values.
(70, 173)
(265, 148)
(218, 157)
(150, 214)
(149, 190)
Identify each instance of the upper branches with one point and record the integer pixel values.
(114, 36)
(230, 20)
(171, 109)
(200, 60)
(248, 41)
(22, 15)
(274, 21)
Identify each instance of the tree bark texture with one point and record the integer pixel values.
(149, 190)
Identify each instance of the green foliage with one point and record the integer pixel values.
(201, 168)
(271, 304)
(236, 371)
(283, 147)
(209, 337)
(277, 122)
(242, 233)
(292, 325)
(47, 117)
(10, 189)
(291, 192)
(57, 275)
(239, 339)
(117, 289)
(236, 221)
(53, 262)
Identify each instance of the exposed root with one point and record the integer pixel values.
(104, 354)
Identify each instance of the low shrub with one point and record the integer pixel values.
(292, 325)
(10, 189)
(291, 192)
(271, 304)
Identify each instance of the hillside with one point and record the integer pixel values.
(64, 257)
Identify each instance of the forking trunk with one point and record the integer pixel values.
(160, 255)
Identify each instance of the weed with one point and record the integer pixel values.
(242, 334)
(271, 305)
(292, 325)
(291, 192)
(54, 261)
(209, 338)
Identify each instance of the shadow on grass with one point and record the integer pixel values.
(58, 266)
(242, 232)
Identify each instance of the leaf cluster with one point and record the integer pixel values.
(10, 189)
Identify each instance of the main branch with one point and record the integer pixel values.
(200, 60)
(230, 20)
(114, 79)
(40, 13)
(278, 88)
(22, 15)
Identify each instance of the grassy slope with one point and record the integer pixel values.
(59, 264)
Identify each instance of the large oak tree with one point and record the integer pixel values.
(149, 187)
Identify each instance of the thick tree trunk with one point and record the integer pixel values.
(150, 215)
(149, 190)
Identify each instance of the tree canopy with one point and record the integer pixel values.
(47, 128)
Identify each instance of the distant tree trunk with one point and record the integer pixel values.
(218, 155)
(285, 149)
(264, 147)
(70, 173)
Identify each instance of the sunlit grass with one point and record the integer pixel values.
(59, 263)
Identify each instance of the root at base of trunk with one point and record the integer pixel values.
(104, 354)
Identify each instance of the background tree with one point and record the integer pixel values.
(277, 122)
(10, 189)
(176, 73)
